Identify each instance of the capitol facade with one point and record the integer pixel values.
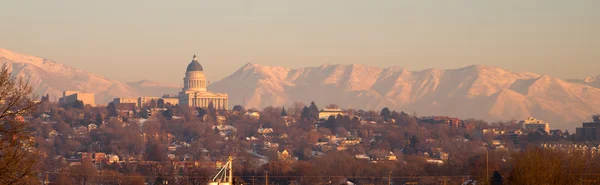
(194, 92)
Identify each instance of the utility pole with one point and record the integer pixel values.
(266, 177)
(253, 179)
(389, 178)
(487, 165)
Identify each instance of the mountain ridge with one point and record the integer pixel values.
(476, 91)
(49, 77)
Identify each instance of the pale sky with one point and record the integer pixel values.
(155, 40)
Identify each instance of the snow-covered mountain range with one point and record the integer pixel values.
(477, 91)
(48, 77)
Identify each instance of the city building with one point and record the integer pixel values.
(325, 113)
(168, 99)
(532, 124)
(194, 92)
(147, 100)
(117, 101)
(73, 96)
(590, 131)
(455, 122)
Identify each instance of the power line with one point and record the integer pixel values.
(269, 176)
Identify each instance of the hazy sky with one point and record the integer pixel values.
(130, 41)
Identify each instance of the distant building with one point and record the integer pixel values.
(326, 113)
(117, 101)
(92, 127)
(194, 92)
(73, 96)
(253, 114)
(170, 100)
(147, 100)
(532, 124)
(284, 155)
(455, 122)
(590, 131)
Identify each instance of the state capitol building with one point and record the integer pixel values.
(193, 94)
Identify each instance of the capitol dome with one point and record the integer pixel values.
(194, 65)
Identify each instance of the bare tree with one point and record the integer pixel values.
(17, 153)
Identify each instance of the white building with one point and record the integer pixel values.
(73, 96)
(194, 92)
(325, 113)
(532, 124)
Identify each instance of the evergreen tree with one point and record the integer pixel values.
(112, 109)
(201, 112)
(168, 113)
(152, 103)
(283, 112)
(99, 119)
(496, 179)
(414, 141)
(238, 108)
(144, 113)
(314, 111)
(305, 113)
(160, 103)
(385, 113)
(45, 98)
(78, 104)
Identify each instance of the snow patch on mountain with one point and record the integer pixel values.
(476, 91)
(49, 77)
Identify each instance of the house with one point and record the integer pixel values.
(86, 157)
(326, 113)
(435, 161)
(81, 131)
(126, 109)
(265, 130)
(45, 116)
(221, 119)
(92, 127)
(284, 155)
(362, 156)
(113, 158)
(52, 134)
(115, 118)
(454, 122)
(172, 148)
(19, 119)
(288, 120)
(382, 156)
(531, 124)
(99, 157)
(253, 114)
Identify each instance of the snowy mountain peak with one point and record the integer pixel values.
(592, 79)
(477, 91)
(49, 77)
